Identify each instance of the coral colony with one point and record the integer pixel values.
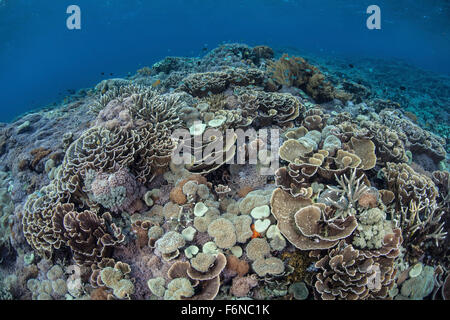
(232, 176)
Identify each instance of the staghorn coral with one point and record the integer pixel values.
(421, 227)
(350, 192)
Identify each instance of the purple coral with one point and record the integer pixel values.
(118, 191)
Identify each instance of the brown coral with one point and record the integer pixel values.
(177, 195)
(38, 154)
(241, 286)
(89, 236)
(308, 221)
(140, 228)
(203, 84)
(207, 271)
(408, 185)
(415, 139)
(347, 273)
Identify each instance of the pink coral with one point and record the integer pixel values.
(118, 191)
(116, 114)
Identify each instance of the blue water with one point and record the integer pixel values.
(40, 59)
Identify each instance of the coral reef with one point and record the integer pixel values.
(94, 205)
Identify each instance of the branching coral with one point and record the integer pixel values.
(205, 222)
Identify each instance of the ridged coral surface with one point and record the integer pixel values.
(294, 184)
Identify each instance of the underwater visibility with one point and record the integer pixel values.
(224, 150)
